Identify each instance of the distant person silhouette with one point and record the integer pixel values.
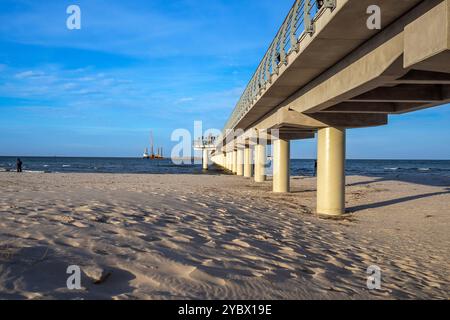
(19, 165)
(315, 168)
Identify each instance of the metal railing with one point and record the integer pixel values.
(205, 142)
(299, 22)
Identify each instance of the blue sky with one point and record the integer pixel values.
(139, 65)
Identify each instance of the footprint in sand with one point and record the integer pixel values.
(83, 209)
(101, 219)
(202, 204)
(149, 238)
(68, 243)
(179, 270)
(208, 263)
(228, 247)
(241, 243)
(101, 252)
(79, 224)
(63, 219)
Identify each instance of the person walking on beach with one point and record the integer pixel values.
(315, 168)
(19, 165)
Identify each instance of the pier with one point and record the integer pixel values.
(327, 72)
(206, 145)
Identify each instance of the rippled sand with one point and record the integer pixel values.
(220, 237)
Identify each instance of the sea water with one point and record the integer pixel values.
(299, 167)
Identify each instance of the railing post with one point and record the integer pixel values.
(329, 4)
(283, 40)
(274, 59)
(260, 79)
(295, 18)
(266, 70)
(309, 25)
(269, 65)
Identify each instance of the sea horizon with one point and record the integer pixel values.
(200, 158)
(298, 167)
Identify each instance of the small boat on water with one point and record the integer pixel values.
(152, 155)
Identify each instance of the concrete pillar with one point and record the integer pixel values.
(240, 162)
(231, 161)
(331, 171)
(234, 162)
(260, 161)
(281, 162)
(224, 159)
(205, 159)
(227, 159)
(248, 162)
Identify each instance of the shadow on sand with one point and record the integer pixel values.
(394, 201)
(421, 179)
(41, 272)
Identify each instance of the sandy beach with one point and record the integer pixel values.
(217, 236)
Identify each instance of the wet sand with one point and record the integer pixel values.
(220, 237)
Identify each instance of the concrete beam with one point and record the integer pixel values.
(424, 77)
(352, 107)
(357, 77)
(372, 107)
(292, 119)
(425, 93)
(427, 40)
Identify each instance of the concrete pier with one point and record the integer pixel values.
(248, 162)
(260, 161)
(331, 171)
(222, 160)
(281, 162)
(205, 159)
(341, 76)
(240, 161)
(234, 161)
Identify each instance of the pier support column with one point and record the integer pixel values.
(231, 161)
(205, 159)
(281, 161)
(240, 162)
(331, 171)
(260, 161)
(235, 161)
(223, 160)
(248, 163)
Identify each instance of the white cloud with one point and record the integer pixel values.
(186, 99)
(69, 85)
(85, 79)
(25, 74)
